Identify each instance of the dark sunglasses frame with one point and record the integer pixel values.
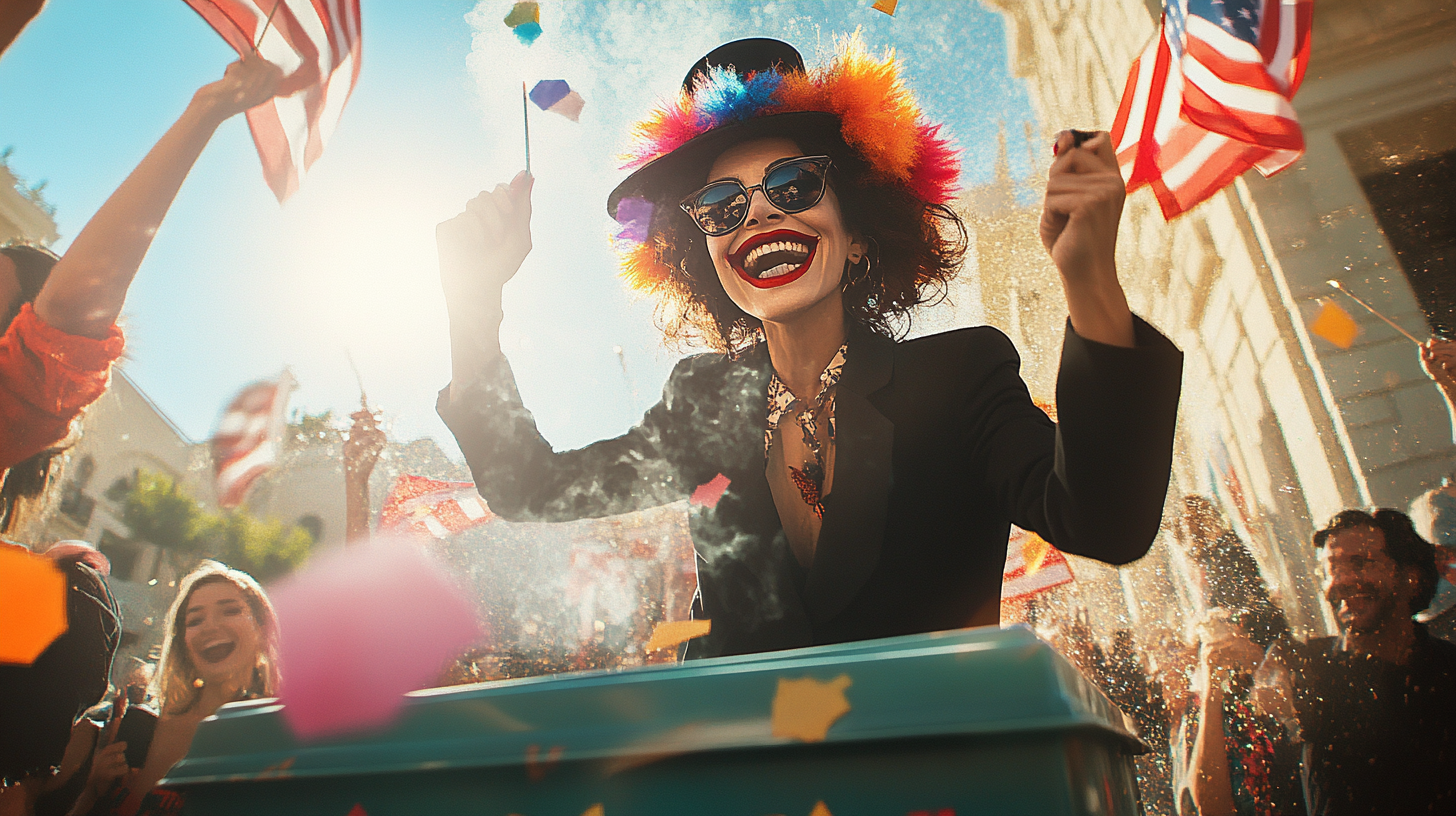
(691, 206)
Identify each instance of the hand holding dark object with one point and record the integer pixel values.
(1084, 196)
(109, 763)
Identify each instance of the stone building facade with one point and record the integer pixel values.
(1282, 428)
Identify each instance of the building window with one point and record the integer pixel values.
(1407, 166)
(122, 554)
(75, 504)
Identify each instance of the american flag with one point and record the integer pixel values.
(1032, 566)
(316, 43)
(432, 508)
(245, 444)
(1209, 98)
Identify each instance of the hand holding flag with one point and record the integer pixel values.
(1211, 96)
(246, 84)
(317, 43)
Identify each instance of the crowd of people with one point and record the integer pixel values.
(1249, 719)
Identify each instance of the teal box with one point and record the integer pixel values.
(977, 721)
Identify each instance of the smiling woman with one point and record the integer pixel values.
(221, 646)
(792, 218)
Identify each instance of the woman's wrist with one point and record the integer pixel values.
(1097, 307)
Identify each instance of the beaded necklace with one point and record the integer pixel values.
(810, 478)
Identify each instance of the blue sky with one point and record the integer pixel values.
(235, 287)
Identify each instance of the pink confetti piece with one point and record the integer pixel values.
(707, 495)
(358, 628)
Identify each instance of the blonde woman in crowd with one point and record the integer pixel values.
(221, 646)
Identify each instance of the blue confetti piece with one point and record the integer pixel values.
(527, 32)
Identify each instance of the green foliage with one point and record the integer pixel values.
(306, 428)
(157, 510)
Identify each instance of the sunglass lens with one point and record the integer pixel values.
(794, 187)
(719, 208)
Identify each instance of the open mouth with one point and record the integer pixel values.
(774, 258)
(218, 652)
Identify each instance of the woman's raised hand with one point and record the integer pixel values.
(483, 247)
(1079, 220)
(245, 84)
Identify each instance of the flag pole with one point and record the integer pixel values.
(363, 398)
(1351, 295)
(526, 123)
(266, 23)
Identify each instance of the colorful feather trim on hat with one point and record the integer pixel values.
(879, 119)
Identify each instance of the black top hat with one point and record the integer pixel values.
(670, 177)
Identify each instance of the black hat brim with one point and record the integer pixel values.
(667, 179)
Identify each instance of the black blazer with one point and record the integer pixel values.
(939, 450)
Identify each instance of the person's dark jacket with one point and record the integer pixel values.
(939, 450)
(1379, 738)
(40, 702)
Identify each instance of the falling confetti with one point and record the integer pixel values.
(634, 214)
(1335, 325)
(674, 633)
(707, 495)
(32, 605)
(525, 21)
(887, 6)
(360, 628)
(804, 709)
(556, 96)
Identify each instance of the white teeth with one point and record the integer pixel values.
(776, 246)
(781, 269)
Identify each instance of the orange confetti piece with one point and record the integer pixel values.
(595, 810)
(32, 605)
(805, 709)
(821, 809)
(674, 633)
(887, 6)
(1335, 325)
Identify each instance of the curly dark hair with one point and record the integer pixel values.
(915, 249)
(1402, 543)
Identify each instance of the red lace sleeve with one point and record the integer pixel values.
(46, 378)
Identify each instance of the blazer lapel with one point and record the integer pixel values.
(848, 550)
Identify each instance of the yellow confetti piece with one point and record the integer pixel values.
(32, 605)
(673, 633)
(595, 810)
(1335, 325)
(527, 12)
(1034, 551)
(888, 7)
(805, 709)
(821, 809)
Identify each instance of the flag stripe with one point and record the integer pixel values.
(1217, 104)
(317, 44)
